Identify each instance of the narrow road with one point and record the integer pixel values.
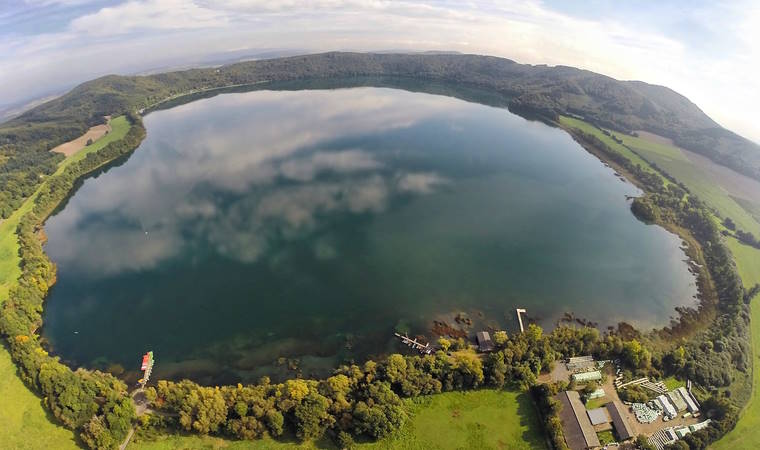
(126, 441)
(141, 407)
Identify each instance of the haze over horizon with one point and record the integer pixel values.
(707, 51)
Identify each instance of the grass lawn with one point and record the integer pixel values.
(474, 420)
(606, 437)
(23, 421)
(191, 442)
(597, 402)
(746, 434)
(672, 383)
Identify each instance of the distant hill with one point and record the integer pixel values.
(540, 91)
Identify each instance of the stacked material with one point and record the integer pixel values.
(661, 438)
(580, 363)
(643, 413)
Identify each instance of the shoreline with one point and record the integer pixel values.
(707, 298)
(692, 253)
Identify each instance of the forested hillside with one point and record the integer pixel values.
(532, 90)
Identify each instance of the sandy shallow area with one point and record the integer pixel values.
(73, 146)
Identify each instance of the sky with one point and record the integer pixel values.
(708, 51)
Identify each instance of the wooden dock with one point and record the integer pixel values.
(519, 318)
(425, 349)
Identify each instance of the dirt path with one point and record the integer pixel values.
(129, 437)
(141, 407)
(94, 133)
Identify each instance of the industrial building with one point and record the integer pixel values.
(576, 425)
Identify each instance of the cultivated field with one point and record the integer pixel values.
(73, 146)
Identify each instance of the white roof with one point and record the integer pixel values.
(690, 405)
(670, 410)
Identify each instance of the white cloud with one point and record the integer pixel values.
(136, 15)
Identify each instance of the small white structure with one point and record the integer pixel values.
(699, 426)
(585, 377)
(596, 394)
(519, 318)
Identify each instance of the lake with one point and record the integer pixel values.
(281, 231)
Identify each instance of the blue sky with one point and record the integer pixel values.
(707, 50)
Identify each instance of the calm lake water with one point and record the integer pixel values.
(253, 228)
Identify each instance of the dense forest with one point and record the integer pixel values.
(532, 90)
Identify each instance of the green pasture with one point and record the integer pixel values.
(746, 434)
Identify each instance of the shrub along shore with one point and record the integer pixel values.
(95, 403)
(364, 401)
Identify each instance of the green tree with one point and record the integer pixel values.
(312, 417)
(500, 338)
(444, 344)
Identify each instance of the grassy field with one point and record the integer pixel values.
(597, 402)
(474, 420)
(23, 421)
(746, 434)
(672, 383)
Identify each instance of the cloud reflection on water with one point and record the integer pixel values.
(244, 178)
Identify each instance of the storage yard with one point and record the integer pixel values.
(666, 417)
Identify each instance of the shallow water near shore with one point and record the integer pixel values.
(272, 232)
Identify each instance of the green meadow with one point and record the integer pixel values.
(590, 129)
(23, 422)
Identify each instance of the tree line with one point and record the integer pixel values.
(94, 403)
